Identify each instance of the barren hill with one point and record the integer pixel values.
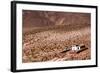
(47, 18)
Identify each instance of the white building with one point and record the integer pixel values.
(75, 48)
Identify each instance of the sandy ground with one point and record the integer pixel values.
(46, 44)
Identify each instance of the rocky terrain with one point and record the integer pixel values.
(46, 34)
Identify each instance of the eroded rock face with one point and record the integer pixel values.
(49, 18)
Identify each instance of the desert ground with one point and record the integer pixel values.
(46, 42)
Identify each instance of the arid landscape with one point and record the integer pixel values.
(47, 33)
